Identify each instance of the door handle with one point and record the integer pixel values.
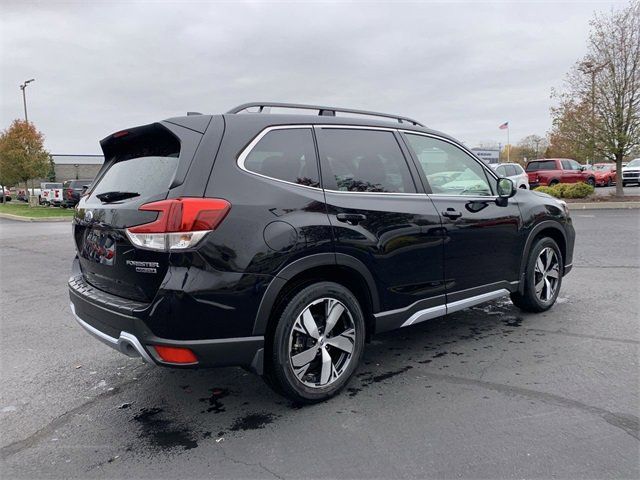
(351, 218)
(451, 213)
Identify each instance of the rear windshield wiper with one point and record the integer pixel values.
(108, 197)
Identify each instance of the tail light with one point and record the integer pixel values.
(181, 223)
(69, 192)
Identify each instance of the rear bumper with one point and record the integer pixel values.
(129, 335)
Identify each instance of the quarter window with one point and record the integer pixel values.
(363, 161)
(286, 154)
(448, 169)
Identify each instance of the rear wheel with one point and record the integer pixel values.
(553, 182)
(543, 277)
(317, 343)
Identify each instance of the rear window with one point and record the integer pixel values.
(286, 154)
(546, 165)
(144, 165)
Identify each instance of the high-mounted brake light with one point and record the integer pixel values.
(181, 223)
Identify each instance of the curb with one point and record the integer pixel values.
(20, 218)
(603, 205)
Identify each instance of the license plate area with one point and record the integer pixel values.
(99, 247)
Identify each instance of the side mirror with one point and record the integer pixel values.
(583, 168)
(506, 189)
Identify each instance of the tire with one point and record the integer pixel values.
(530, 300)
(553, 182)
(609, 182)
(297, 336)
(524, 187)
(591, 181)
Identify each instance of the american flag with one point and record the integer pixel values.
(504, 126)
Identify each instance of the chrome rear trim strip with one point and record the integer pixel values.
(121, 344)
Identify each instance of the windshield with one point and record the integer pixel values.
(634, 163)
(603, 167)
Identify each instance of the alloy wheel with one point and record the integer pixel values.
(546, 274)
(321, 342)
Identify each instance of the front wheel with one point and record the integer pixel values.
(317, 343)
(591, 181)
(543, 277)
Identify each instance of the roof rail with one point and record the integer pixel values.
(322, 111)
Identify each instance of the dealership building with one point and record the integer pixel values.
(72, 167)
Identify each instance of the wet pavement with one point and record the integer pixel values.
(488, 392)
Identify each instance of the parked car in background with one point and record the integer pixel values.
(631, 173)
(23, 195)
(550, 171)
(282, 243)
(512, 171)
(72, 190)
(47, 190)
(7, 194)
(605, 174)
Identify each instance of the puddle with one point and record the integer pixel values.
(162, 433)
(253, 421)
(215, 405)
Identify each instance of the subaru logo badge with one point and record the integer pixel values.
(88, 215)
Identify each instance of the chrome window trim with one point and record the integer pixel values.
(242, 157)
(399, 194)
(247, 150)
(356, 127)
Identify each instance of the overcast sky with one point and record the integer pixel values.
(460, 67)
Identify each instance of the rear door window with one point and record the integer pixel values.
(285, 154)
(355, 160)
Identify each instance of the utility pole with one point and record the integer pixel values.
(590, 68)
(537, 141)
(23, 87)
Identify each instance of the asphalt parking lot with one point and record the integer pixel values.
(485, 393)
(630, 190)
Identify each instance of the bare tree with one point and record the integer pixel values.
(599, 110)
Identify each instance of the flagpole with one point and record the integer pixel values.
(508, 146)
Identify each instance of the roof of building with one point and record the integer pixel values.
(77, 159)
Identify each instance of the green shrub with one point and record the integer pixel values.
(548, 190)
(578, 190)
(568, 190)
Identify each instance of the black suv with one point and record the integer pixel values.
(281, 242)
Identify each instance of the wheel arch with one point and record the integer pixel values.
(340, 268)
(546, 228)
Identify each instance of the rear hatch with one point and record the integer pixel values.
(140, 166)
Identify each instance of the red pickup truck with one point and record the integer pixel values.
(550, 171)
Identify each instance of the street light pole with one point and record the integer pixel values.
(537, 143)
(23, 87)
